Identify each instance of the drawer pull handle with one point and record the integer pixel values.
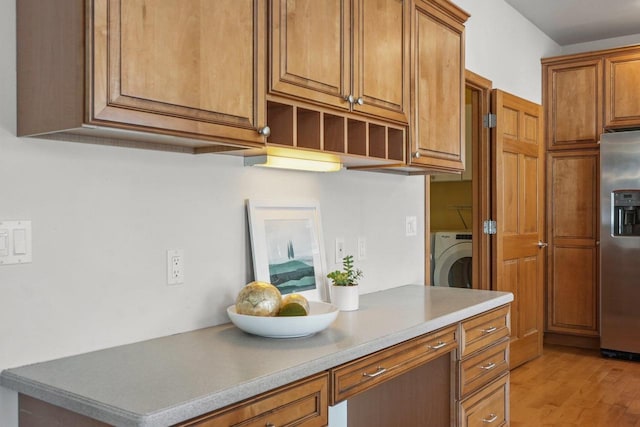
(492, 418)
(489, 366)
(438, 346)
(379, 371)
(489, 330)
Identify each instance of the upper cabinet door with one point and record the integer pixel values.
(622, 90)
(319, 56)
(311, 50)
(381, 58)
(573, 95)
(437, 86)
(193, 67)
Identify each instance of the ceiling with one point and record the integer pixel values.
(578, 21)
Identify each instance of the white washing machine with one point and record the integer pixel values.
(451, 259)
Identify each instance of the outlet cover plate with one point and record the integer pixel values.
(175, 266)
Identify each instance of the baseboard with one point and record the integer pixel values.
(592, 343)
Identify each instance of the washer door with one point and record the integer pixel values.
(453, 267)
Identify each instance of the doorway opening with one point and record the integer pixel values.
(457, 204)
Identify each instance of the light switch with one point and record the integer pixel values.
(20, 241)
(411, 226)
(4, 242)
(15, 242)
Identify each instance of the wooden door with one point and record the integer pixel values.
(310, 51)
(381, 58)
(518, 206)
(192, 67)
(573, 209)
(622, 90)
(437, 79)
(573, 99)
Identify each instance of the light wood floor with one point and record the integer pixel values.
(575, 387)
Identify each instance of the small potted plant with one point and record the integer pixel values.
(344, 292)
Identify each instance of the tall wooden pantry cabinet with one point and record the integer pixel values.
(584, 95)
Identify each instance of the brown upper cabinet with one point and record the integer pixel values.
(573, 95)
(350, 55)
(186, 73)
(590, 93)
(437, 85)
(622, 89)
(377, 84)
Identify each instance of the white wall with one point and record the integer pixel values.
(103, 218)
(506, 48)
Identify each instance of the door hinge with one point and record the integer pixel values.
(489, 120)
(489, 227)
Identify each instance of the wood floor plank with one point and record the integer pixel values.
(572, 387)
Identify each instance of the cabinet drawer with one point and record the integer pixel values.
(302, 404)
(483, 367)
(484, 330)
(487, 407)
(358, 376)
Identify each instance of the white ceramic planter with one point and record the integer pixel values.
(346, 298)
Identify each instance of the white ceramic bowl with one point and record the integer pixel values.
(321, 315)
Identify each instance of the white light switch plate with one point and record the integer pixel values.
(411, 226)
(15, 242)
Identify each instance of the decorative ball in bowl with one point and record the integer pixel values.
(321, 315)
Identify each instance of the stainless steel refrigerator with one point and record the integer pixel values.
(620, 244)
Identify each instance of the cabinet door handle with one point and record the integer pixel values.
(489, 366)
(350, 99)
(269, 425)
(378, 371)
(491, 418)
(265, 131)
(542, 244)
(360, 101)
(438, 346)
(489, 330)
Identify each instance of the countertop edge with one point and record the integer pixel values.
(182, 411)
(70, 401)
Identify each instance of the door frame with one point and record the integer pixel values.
(481, 178)
(481, 186)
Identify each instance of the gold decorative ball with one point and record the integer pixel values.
(258, 299)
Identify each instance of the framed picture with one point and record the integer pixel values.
(287, 247)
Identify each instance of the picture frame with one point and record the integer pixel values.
(287, 247)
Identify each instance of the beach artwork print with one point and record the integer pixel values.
(290, 253)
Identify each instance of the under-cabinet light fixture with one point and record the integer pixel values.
(271, 161)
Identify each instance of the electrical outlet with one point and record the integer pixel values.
(339, 250)
(175, 266)
(362, 248)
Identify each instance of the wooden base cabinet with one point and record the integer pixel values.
(483, 370)
(302, 404)
(490, 406)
